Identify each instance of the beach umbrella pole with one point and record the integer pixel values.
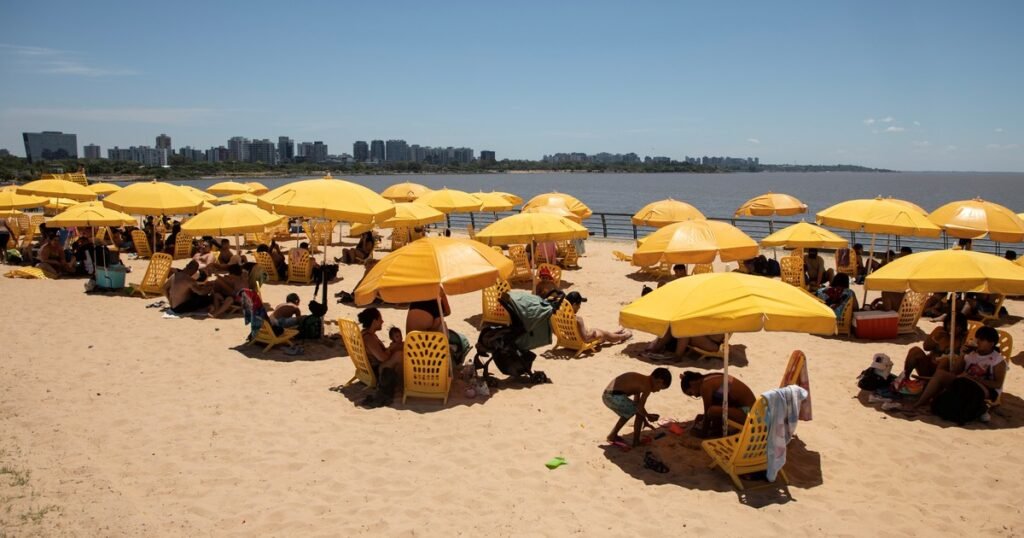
(952, 328)
(871, 259)
(725, 387)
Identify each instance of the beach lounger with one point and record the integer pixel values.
(554, 270)
(910, 311)
(102, 232)
(25, 225)
(622, 256)
(156, 275)
(141, 243)
(994, 316)
(744, 452)
(265, 262)
(301, 270)
(567, 332)
(352, 336)
(702, 268)
(34, 222)
(427, 366)
(267, 336)
(521, 265)
(491, 310)
(182, 246)
(792, 270)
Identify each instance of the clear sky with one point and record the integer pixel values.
(911, 85)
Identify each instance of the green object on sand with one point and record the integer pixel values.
(555, 462)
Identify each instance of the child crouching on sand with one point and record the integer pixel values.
(639, 387)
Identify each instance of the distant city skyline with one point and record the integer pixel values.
(903, 86)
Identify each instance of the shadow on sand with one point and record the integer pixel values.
(1008, 415)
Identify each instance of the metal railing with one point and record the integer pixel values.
(620, 226)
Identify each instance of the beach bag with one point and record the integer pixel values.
(310, 327)
(14, 256)
(962, 402)
(325, 272)
(870, 380)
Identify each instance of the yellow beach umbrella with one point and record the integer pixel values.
(60, 203)
(202, 195)
(695, 241)
(328, 198)
(665, 212)
(154, 198)
(257, 188)
(103, 188)
(90, 214)
(245, 198)
(1020, 261)
(412, 214)
(450, 201)
(419, 270)
(10, 199)
(715, 303)
(516, 200)
(227, 187)
(973, 219)
(57, 188)
(9, 213)
(804, 235)
(404, 192)
(231, 219)
(558, 211)
(879, 216)
(530, 227)
(560, 199)
(771, 204)
(492, 201)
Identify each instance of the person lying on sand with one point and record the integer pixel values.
(589, 335)
(627, 396)
(985, 366)
(709, 388)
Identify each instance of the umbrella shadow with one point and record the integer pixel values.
(1018, 359)
(313, 350)
(737, 357)
(643, 276)
(1008, 415)
(1005, 321)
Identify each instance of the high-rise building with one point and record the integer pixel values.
(192, 155)
(487, 157)
(261, 151)
(163, 142)
(318, 153)
(396, 151)
(140, 154)
(49, 145)
(462, 155)
(92, 151)
(377, 151)
(238, 148)
(361, 151)
(285, 149)
(217, 154)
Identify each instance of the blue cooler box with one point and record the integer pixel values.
(111, 277)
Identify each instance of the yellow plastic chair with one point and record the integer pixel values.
(850, 269)
(567, 331)
(102, 233)
(27, 272)
(352, 336)
(265, 262)
(792, 268)
(622, 256)
(491, 310)
(25, 225)
(556, 273)
(182, 246)
(705, 354)
(910, 311)
(34, 222)
(267, 336)
(745, 452)
(521, 265)
(572, 258)
(994, 316)
(399, 237)
(141, 244)
(301, 270)
(156, 276)
(702, 268)
(427, 366)
(844, 323)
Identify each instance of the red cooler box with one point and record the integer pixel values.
(876, 325)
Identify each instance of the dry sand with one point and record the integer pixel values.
(117, 422)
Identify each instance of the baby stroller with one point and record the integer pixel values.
(509, 346)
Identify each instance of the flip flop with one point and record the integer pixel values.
(653, 463)
(555, 462)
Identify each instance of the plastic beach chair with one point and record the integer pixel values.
(427, 366)
(156, 276)
(745, 452)
(352, 336)
(567, 331)
(491, 310)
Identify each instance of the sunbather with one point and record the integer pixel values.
(589, 335)
(361, 252)
(185, 294)
(985, 366)
(935, 350)
(709, 388)
(627, 396)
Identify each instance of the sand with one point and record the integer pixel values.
(117, 422)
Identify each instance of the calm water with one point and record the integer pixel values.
(718, 195)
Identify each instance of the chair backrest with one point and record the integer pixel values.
(563, 324)
(301, 270)
(794, 367)
(352, 336)
(850, 267)
(157, 271)
(25, 225)
(521, 265)
(844, 323)
(265, 262)
(622, 256)
(910, 311)
(399, 237)
(554, 270)
(427, 365)
(491, 310)
(1005, 345)
(572, 257)
(35, 221)
(182, 246)
(792, 268)
(702, 268)
(141, 244)
(752, 447)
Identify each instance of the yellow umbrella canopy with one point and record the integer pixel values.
(528, 227)
(60, 203)
(103, 188)
(665, 212)
(804, 235)
(8, 213)
(57, 188)
(153, 198)
(1020, 261)
(973, 219)
(492, 201)
(245, 198)
(257, 188)
(231, 219)
(770, 204)
(205, 196)
(949, 270)
(558, 211)
(328, 198)
(412, 214)
(227, 187)
(695, 241)
(879, 216)
(90, 214)
(10, 199)
(557, 198)
(405, 192)
(419, 270)
(450, 201)
(516, 200)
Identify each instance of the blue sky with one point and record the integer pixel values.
(909, 85)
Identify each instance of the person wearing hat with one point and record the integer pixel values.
(606, 337)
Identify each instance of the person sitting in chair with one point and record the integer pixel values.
(361, 252)
(837, 294)
(589, 335)
(814, 266)
(380, 356)
(287, 314)
(934, 350)
(53, 260)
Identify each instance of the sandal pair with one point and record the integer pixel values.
(653, 463)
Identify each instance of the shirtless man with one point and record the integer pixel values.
(186, 294)
(226, 287)
(204, 258)
(288, 313)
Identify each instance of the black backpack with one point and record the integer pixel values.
(870, 380)
(962, 402)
